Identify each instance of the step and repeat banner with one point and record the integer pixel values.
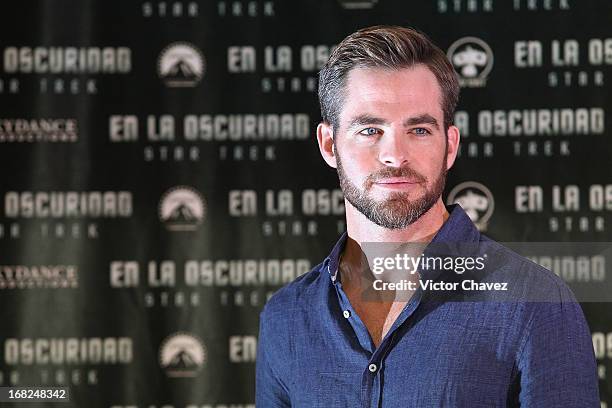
(160, 177)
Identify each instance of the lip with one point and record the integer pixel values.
(398, 184)
(396, 180)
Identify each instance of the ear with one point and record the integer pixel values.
(453, 137)
(325, 138)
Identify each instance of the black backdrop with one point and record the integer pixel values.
(160, 175)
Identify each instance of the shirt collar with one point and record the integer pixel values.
(457, 228)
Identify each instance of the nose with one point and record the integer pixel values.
(393, 150)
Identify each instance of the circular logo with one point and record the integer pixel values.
(476, 200)
(180, 64)
(472, 59)
(182, 208)
(182, 355)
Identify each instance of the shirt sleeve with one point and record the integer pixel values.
(270, 391)
(557, 365)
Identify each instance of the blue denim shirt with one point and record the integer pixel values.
(314, 350)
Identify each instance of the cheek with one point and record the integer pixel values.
(353, 171)
(436, 165)
(358, 164)
(427, 166)
(352, 157)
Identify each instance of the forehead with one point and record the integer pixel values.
(390, 93)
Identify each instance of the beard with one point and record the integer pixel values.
(397, 211)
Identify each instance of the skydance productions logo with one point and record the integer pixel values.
(476, 200)
(181, 65)
(473, 61)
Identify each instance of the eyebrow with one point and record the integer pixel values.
(421, 119)
(425, 118)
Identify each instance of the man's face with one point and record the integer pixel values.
(393, 144)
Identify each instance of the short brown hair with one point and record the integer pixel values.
(381, 46)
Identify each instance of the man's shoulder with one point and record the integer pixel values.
(296, 294)
(530, 280)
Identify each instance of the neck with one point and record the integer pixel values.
(360, 230)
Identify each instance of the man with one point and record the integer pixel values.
(328, 339)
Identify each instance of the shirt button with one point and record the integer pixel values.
(372, 367)
(346, 314)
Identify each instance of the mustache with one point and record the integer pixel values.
(405, 172)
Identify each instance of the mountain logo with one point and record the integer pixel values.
(476, 200)
(182, 208)
(182, 355)
(181, 65)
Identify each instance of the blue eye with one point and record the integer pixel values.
(369, 131)
(421, 131)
